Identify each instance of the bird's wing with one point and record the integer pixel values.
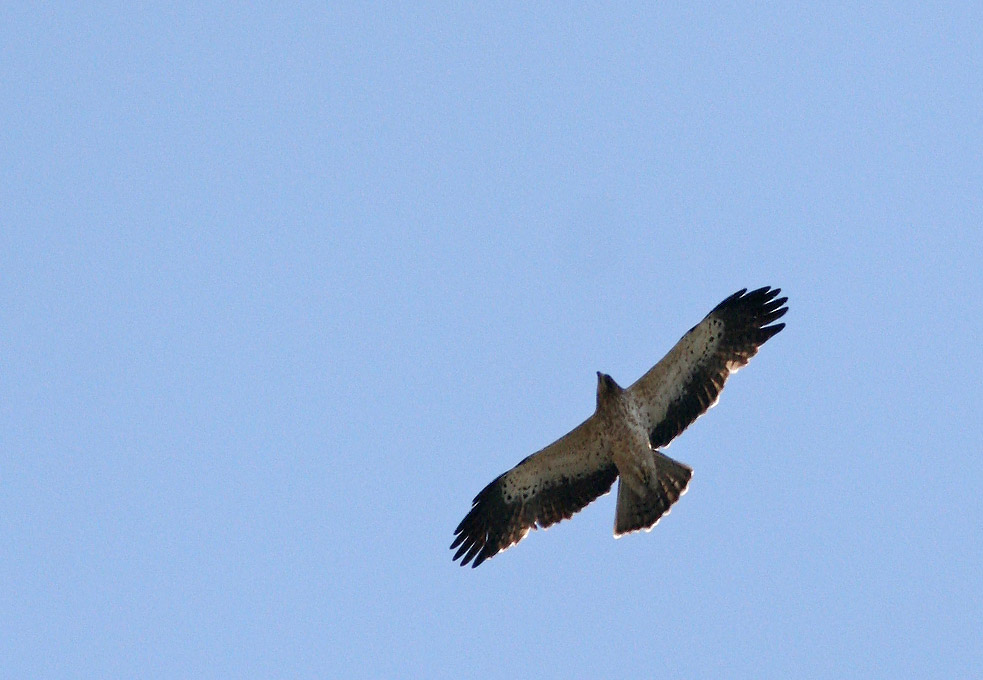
(548, 486)
(688, 380)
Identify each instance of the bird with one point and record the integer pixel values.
(623, 437)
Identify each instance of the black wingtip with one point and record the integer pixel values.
(475, 535)
(759, 297)
(730, 299)
(768, 332)
(758, 307)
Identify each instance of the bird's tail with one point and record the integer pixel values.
(643, 510)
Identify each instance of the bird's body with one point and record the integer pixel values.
(622, 437)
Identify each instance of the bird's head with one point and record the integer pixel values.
(606, 388)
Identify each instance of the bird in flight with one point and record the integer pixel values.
(623, 437)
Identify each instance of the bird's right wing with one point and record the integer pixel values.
(548, 486)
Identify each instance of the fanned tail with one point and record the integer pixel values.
(643, 511)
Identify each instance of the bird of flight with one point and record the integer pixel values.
(623, 437)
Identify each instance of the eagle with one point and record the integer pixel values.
(623, 437)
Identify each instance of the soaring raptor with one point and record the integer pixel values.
(623, 437)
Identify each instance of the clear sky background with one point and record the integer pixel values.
(282, 289)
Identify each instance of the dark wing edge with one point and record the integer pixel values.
(494, 524)
(745, 317)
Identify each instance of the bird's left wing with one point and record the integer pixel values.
(688, 380)
(548, 486)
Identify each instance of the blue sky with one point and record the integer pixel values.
(282, 289)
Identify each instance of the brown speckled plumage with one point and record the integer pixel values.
(621, 438)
